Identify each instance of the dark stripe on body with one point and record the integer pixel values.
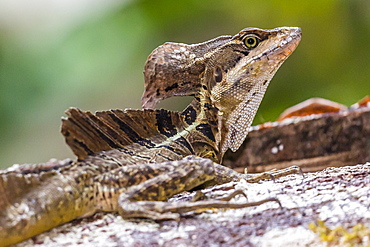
(169, 148)
(133, 154)
(206, 130)
(131, 134)
(207, 106)
(185, 143)
(173, 86)
(167, 158)
(84, 147)
(164, 123)
(135, 138)
(245, 53)
(95, 119)
(190, 114)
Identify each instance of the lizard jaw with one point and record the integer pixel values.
(239, 95)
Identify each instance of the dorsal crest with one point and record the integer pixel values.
(87, 133)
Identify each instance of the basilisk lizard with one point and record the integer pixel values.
(131, 161)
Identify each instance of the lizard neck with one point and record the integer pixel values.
(202, 118)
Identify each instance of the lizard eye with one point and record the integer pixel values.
(251, 41)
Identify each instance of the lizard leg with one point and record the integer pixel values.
(224, 175)
(143, 200)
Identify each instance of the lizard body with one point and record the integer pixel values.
(130, 160)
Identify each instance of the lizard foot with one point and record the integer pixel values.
(274, 174)
(158, 210)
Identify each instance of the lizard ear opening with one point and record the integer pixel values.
(218, 74)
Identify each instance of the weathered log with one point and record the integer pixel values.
(313, 142)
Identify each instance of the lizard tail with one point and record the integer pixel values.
(34, 201)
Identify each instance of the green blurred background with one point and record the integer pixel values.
(90, 54)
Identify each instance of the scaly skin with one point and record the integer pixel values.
(129, 161)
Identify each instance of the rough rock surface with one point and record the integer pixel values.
(338, 196)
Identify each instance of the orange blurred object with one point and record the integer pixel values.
(312, 106)
(365, 102)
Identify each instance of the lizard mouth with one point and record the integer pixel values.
(288, 44)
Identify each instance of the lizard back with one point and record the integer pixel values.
(138, 132)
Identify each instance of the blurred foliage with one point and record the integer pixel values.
(96, 62)
(358, 235)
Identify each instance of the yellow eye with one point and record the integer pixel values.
(251, 41)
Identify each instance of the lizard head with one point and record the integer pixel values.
(230, 72)
(238, 90)
(177, 69)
